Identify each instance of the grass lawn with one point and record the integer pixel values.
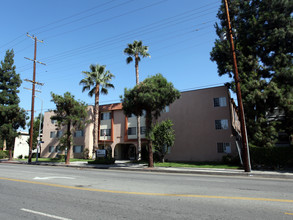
(53, 160)
(197, 165)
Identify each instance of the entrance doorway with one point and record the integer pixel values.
(125, 152)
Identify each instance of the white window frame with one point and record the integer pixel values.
(51, 149)
(78, 133)
(221, 124)
(108, 132)
(131, 129)
(53, 134)
(80, 147)
(59, 134)
(106, 116)
(143, 130)
(220, 102)
(224, 147)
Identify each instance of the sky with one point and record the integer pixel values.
(76, 34)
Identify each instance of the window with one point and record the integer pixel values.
(221, 124)
(78, 133)
(107, 132)
(52, 134)
(142, 130)
(131, 131)
(166, 109)
(131, 115)
(106, 116)
(224, 148)
(51, 149)
(53, 121)
(77, 149)
(143, 114)
(59, 134)
(220, 102)
(58, 150)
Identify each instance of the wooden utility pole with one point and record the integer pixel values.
(245, 147)
(33, 96)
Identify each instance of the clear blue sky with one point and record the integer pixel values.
(180, 36)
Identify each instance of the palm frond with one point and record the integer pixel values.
(129, 60)
(104, 91)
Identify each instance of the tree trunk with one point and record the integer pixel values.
(4, 144)
(96, 119)
(10, 153)
(138, 117)
(68, 144)
(136, 69)
(148, 128)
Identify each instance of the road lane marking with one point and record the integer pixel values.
(149, 194)
(44, 214)
(53, 177)
(287, 213)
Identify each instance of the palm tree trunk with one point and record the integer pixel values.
(96, 118)
(138, 117)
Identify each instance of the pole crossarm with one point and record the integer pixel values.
(33, 93)
(35, 61)
(34, 37)
(31, 90)
(31, 81)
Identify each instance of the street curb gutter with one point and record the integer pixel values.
(168, 170)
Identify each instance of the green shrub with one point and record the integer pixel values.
(20, 156)
(61, 157)
(231, 160)
(4, 154)
(102, 160)
(271, 157)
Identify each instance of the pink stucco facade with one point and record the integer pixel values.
(205, 124)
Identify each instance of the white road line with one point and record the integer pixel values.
(44, 214)
(53, 177)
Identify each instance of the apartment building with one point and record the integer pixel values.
(205, 122)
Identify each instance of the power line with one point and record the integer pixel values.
(108, 19)
(79, 19)
(74, 15)
(124, 35)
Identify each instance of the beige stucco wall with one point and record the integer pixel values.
(86, 141)
(193, 116)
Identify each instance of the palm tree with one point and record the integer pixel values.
(136, 50)
(96, 80)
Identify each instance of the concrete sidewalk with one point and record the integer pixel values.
(127, 165)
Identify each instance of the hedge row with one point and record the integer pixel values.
(271, 157)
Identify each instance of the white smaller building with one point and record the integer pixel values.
(21, 147)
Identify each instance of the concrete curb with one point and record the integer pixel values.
(142, 168)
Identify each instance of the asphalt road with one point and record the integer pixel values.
(38, 192)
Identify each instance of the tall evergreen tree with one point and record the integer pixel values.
(263, 40)
(12, 117)
(71, 114)
(152, 96)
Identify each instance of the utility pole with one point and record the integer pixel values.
(33, 95)
(246, 157)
